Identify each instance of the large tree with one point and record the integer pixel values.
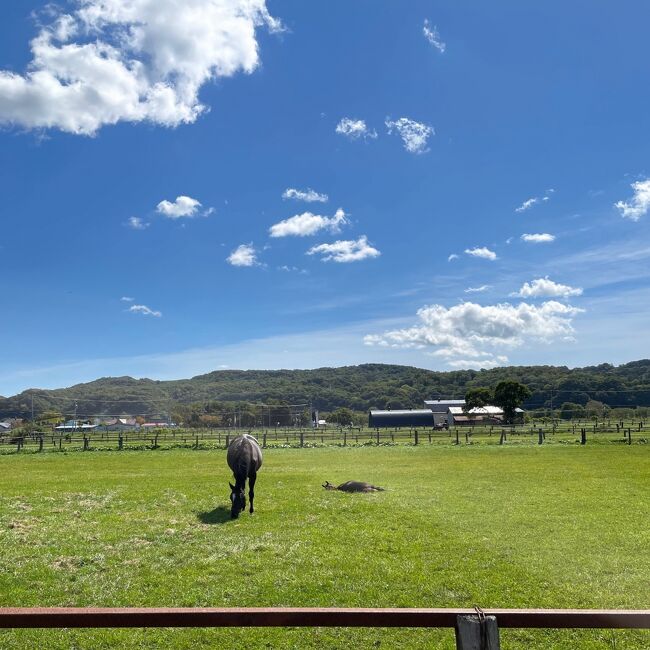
(510, 395)
(476, 398)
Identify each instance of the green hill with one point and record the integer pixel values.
(356, 387)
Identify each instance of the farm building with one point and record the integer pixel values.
(479, 415)
(5, 427)
(440, 408)
(396, 419)
(75, 425)
(119, 424)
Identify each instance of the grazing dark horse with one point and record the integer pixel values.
(353, 486)
(244, 459)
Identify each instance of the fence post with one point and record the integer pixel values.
(263, 440)
(40, 443)
(503, 437)
(228, 439)
(629, 436)
(477, 633)
(85, 443)
(20, 444)
(345, 438)
(457, 441)
(541, 437)
(583, 436)
(120, 442)
(302, 439)
(416, 436)
(466, 438)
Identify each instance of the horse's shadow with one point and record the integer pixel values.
(220, 515)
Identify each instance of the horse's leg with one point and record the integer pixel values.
(251, 489)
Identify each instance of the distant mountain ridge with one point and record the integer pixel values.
(356, 387)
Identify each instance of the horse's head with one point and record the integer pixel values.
(328, 486)
(238, 500)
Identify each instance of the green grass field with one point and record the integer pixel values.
(550, 526)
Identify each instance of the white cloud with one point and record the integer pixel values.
(302, 225)
(639, 205)
(538, 238)
(136, 223)
(292, 269)
(526, 205)
(431, 34)
(243, 255)
(109, 61)
(415, 135)
(483, 252)
(345, 251)
(355, 129)
(126, 299)
(144, 310)
(308, 195)
(452, 257)
(472, 331)
(529, 203)
(483, 287)
(545, 288)
(477, 364)
(183, 206)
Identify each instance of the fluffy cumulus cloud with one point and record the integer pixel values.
(183, 206)
(469, 331)
(144, 310)
(308, 195)
(243, 255)
(639, 204)
(431, 34)
(483, 252)
(546, 288)
(355, 129)
(538, 238)
(345, 250)
(415, 135)
(302, 225)
(108, 61)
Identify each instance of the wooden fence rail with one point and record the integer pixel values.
(102, 617)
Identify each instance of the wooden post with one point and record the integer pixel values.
(583, 436)
(120, 442)
(541, 437)
(474, 633)
(345, 438)
(457, 441)
(416, 436)
(85, 443)
(196, 444)
(503, 437)
(263, 440)
(466, 438)
(629, 436)
(40, 443)
(302, 439)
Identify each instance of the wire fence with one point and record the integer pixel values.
(534, 433)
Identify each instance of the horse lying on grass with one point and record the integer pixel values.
(244, 459)
(353, 486)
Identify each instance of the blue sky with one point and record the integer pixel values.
(480, 186)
